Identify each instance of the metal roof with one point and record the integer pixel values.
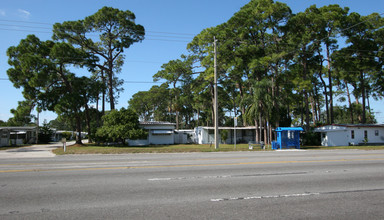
(18, 128)
(289, 129)
(156, 123)
(355, 125)
(231, 128)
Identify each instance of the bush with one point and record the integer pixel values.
(45, 133)
(224, 135)
(67, 135)
(119, 125)
(311, 139)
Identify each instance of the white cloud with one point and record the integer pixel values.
(2, 12)
(23, 13)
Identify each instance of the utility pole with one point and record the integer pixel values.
(37, 127)
(215, 91)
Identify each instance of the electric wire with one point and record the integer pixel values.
(153, 35)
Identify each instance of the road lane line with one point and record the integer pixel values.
(188, 165)
(224, 176)
(293, 195)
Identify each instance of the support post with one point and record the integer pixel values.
(37, 127)
(215, 94)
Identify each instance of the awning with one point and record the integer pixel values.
(162, 132)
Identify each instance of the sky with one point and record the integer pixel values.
(170, 25)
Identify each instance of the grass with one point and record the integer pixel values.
(184, 148)
(181, 148)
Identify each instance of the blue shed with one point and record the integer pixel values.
(287, 137)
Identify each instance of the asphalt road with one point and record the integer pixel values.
(337, 184)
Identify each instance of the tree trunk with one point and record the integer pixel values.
(257, 136)
(330, 84)
(270, 134)
(88, 118)
(306, 111)
(260, 128)
(301, 113)
(110, 91)
(368, 104)
(177, 120)
(265, 131)
(350, 104)
(78, 130)
(97, 102)
(103, 95)
(313, 110)
(305, 72)
(326, 97)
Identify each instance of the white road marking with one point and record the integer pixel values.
(224, 176)
(265, 197)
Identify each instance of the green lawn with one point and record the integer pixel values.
(180, 148)
(93, 149)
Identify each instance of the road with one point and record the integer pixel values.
(338, 184)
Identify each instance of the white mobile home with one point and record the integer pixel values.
(348, 134)
(17, 135)
(158, 133)
(205, 135)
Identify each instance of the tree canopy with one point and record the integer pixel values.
(117, 31)
(277, 68)
(119, 125)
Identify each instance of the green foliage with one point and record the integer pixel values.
(153, 104)
(22, 115)
(119, 125)
(3, 123)
(224, 135)
(45, 133)
(343, 114)
(62, 123)
(67, 135)
(117, 31)
(41, 69)
(311, 138)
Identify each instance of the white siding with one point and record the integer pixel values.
(334, 135)
(161, 139)
(335, 138)
(372, 138)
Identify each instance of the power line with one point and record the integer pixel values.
(22, 26)
(150, 39)
(29, 22)
(125, 82)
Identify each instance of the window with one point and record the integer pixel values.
(352, 134)
(376, 132)
(365, 135)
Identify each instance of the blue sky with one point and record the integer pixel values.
(169, 24)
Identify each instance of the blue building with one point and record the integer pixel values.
(287, 137)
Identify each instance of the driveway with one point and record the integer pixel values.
(33, 151)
